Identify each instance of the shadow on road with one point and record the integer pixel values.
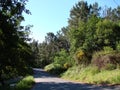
(70, 86)
(40, 73)
(48, 82)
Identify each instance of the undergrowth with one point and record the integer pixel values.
(92, 75)
(25, 84)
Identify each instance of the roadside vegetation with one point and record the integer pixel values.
(92, 75)
(24, 84)
(103, 69)
(88, 49)
(16, 55)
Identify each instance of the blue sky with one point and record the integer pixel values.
(52, 15)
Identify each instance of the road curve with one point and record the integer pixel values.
(45, 81)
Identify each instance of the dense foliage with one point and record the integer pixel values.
(90, 30)
(91, 38)
(25, 84)
(15, 53)
(87, 49)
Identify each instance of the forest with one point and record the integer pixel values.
(87, 50)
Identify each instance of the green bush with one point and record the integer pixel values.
(25, 84)
(60, 64)
(56, 69)
(62, 57)
(81, 58)
(118, 47)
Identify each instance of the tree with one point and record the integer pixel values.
(15, 52)
(112, 14)
(79, 12)
(84, 25)
(107, 34)
(35, 53)
(62, 39)
(80, 17)
(95, 10)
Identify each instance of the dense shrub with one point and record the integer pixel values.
(81, 58)
(108, 60)
(25, 84)
(61, 63)
(62, 58)
(118, 47)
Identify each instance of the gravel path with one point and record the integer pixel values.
(45, 81)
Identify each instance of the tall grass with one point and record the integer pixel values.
(93, 75)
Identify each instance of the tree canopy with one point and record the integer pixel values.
(90, 29)
(15, 52)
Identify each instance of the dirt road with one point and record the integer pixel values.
(45, 81)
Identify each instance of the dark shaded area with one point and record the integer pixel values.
(71, 86)
(15, 52)
(2, 81)
(65, 85)
(40, 73)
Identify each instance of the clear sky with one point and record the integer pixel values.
(52, 15)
